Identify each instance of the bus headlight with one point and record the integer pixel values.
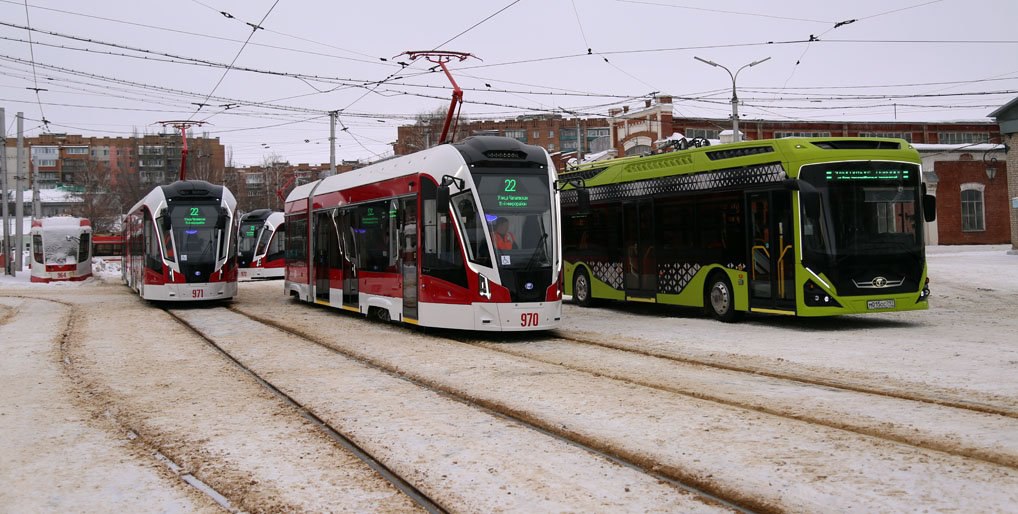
(925, 293)
(814, 296)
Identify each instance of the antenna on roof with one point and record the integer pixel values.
(183, 125)
(440, 57)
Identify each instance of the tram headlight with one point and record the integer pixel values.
(483, 287)
(814, 296)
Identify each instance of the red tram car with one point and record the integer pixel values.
(462, 236)
(180, 244)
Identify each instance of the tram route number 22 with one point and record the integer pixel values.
(529, 319)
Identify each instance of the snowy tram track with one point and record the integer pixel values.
(763, 461)
(457, 451)
(909, 417)
(397, 481)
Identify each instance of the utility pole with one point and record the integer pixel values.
(19, 197)
(579, 143)
(6, 250)
(736, 136)
(332, 141)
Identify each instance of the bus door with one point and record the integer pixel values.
(408, 255)
(346, 226)
(326, 252)
(639, 261)
(772, 251)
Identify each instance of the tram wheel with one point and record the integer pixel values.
(581, 289)
(719, 300)
(382, 314)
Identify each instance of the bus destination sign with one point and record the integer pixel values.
(891, 174)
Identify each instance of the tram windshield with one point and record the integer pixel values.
(517, 216)
(249, 232)
(197, 233)
(62, 245)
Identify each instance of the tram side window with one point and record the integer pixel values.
(84, 247)
(153, 258)
(296, 240)
(442, 257)
(37, 248)
(372, 236)
(275, 249)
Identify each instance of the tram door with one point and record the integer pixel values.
(772, 251)
(345, 224)
(326, 254)
(408, 255)
(639, 260)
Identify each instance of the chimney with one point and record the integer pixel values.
(664, 99)
(625, 108)
(646, 103)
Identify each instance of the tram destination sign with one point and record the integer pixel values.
(863, 174)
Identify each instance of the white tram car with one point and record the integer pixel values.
(463, 236)
(61, 249)
(260, 241)
(180, 243)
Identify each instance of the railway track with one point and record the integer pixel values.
(718, 498)
(910, 417)
(923, 449)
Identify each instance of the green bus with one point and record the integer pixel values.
(794, 226)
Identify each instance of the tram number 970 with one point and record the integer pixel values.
(529, 319)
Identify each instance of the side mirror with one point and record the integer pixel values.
(583, 200)
(442, 199)
(929, 207)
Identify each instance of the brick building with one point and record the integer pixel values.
(64, 159)
(259, 187)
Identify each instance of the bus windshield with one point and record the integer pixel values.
(195, 232)
(517, 215)
(869, 217)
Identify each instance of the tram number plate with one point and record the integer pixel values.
(197, 294)
(880, 304)
(529, 319)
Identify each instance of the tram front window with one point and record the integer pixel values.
(249, 232)
(195, 233)
(517, 210)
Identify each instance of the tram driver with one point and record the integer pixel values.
(503, 238)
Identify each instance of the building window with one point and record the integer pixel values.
(551, 147)
(781, 134)
(150, 150)
(551, 134)
(517, 134)
(692, 133)
(962, 138)
(46, 163)
(76, 150)
(973, 214)
(907, 136)
(594, 133)
(537, 134)
(567, 134)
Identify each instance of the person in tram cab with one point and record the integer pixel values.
(504, 239)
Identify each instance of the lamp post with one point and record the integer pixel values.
(735, 98)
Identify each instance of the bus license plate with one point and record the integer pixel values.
(880, 304)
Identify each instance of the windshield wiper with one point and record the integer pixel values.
(541, 249)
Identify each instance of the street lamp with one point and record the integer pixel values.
(735, 98)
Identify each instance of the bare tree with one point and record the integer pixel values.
(424, 133)
(100, 203)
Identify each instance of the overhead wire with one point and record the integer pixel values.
(35, 79)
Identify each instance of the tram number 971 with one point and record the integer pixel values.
(197, 293)
(529, 319)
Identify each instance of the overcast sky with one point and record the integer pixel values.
(113, 67)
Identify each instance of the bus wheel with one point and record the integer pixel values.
(718, 299)
(581, 289)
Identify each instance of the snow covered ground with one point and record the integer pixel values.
(924, 415)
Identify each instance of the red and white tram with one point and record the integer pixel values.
(414, 239)
(260, 241)
(61, 249)
(179, 243)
